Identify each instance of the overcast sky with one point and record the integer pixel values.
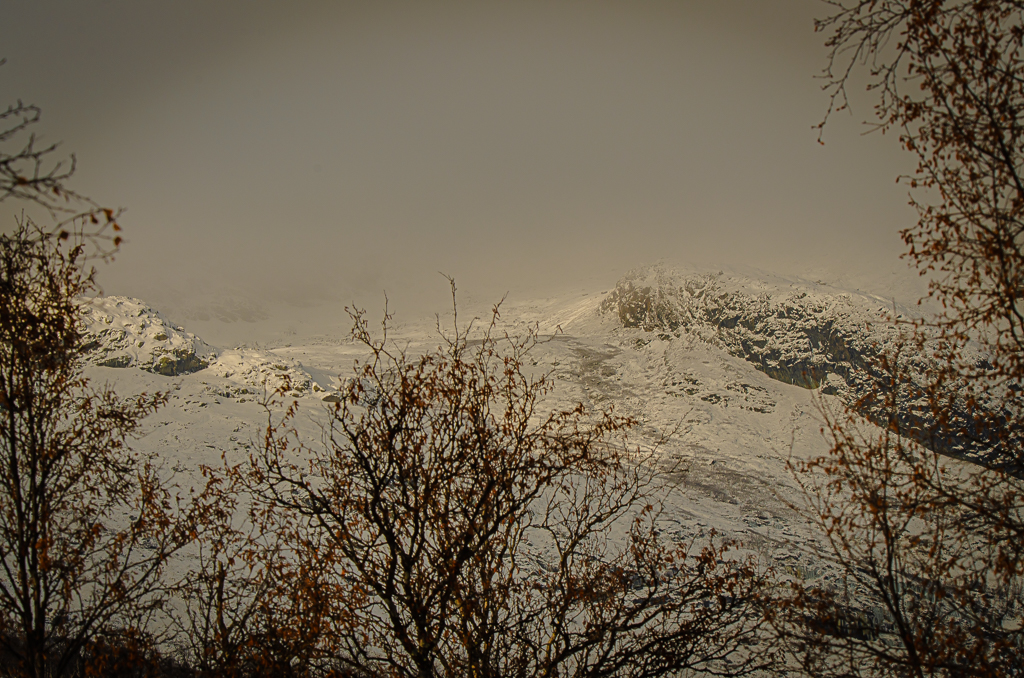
(288, 150)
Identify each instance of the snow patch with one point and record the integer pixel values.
(252, 371)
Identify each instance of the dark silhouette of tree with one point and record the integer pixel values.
(29, 172)
(32, 172)
(258, 601)
(87, 527)
(476, 533)
(931, 546)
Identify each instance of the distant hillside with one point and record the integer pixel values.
(798, 332)
(126, 332)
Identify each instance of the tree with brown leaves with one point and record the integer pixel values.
(476, 533)
(931, 546)
(33, 173)
(87, 527)
(259, 600)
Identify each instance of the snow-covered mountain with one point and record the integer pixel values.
(800, 332)
(725, 372)
(125, 332)
(797, 332)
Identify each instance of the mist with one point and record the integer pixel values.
(292, 155)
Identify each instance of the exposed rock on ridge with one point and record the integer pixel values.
(125, 332)
(255, 371)
(797, 332)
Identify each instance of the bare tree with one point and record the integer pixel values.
(32, 172)
(948, 75)
(86, 526)
(29, 172)
(258, 601)
(930, 547)
(476, 533)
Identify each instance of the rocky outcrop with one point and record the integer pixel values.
(125, 332)
(797, 332)
(800, 334)
(263, 373)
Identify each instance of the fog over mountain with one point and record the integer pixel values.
(637, 197)
(278, 162)
(275, 156)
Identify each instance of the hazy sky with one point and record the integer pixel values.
(288, 149)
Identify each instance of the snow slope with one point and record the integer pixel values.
(721, 427)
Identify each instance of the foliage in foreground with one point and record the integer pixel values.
(87, 527)
(468, 531)
(930, 547)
